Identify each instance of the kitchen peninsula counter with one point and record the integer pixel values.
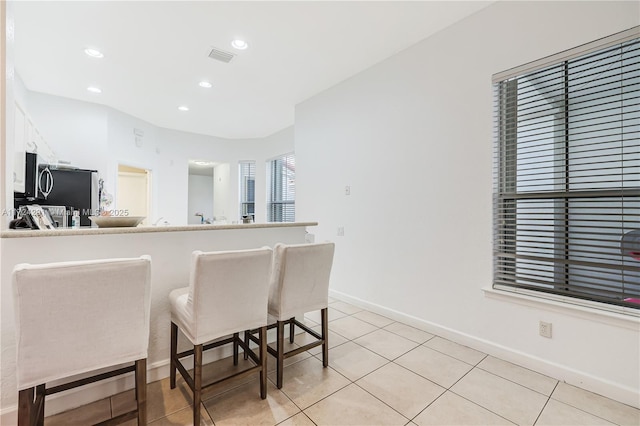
(64, 232)
(170, 249)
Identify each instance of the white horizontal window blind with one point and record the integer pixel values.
(567, 176)
(247, 188)
(282, 189)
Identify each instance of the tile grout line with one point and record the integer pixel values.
(473, 402)
(486, 408)
(384, 327)
(206, 410)
(291, 400)
(385, 364)
(449, 389)
(415, 372)
(520, 384)
(381, 400)
(428, 405)
(333, 369)
(545, 405)
(451, 356)
(299, 412)
(398, 322)
(466, 399)
(380, 355)
(354, 382)
(321, 399)
(584, 411)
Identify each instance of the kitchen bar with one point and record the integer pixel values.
(170, 249)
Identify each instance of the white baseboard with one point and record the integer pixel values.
(560, 372)
(9, 416)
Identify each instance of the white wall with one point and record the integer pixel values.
(200, 198)
(412, 136)
(77, 131)
(96, 137)
(223, 206)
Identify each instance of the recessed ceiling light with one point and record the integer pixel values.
(203, 163)
(205, 84)
(239, 44)
(183, 108)
(94, 53)
(94, 89)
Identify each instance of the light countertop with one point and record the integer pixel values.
(25, 233)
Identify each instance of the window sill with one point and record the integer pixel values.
(608, 314)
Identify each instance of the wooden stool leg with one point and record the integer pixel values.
(174, 356)
(263, 362)
(280, 356)
(292, 329)
(197, 383)
(324, 313)
(141, 391)
(246, 344)
(25, 402)
(236, 337)
(38, 405)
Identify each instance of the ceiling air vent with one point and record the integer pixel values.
(221, 55)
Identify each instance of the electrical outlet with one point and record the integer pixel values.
(340, 231)
(347, 190)
(545, 329)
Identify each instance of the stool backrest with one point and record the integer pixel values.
(228, 291)
(300, 279)
(75, 317)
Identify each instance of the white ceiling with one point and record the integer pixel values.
(156, 53)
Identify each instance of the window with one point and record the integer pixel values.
(282, 189)
(247, 188)
(567, 173)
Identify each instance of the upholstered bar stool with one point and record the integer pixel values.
(299, 284)
(78, 317)
(227, 294)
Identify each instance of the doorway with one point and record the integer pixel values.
(201, 190)
(133, 195)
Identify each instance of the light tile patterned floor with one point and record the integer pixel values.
(381, 372)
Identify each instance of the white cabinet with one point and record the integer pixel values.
(30, 136)
(27, 139)
(19, 149)
(45, 152)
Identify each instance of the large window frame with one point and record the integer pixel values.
(567, 172)
(282, 192)
(247, 171)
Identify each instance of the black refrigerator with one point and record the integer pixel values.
(77, 189)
